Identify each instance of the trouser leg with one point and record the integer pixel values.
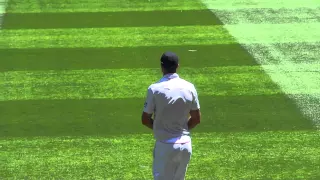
(170, 161)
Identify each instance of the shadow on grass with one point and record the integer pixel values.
(109, 19)
(122, 116)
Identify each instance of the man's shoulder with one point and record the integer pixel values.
(182, 82)
(153, 86)
(187, 83)
(157, 84)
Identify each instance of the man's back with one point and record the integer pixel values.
(173, 99)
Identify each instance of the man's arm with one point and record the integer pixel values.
(194, 120)
(147, 120)
(195, 114)
(148, 110)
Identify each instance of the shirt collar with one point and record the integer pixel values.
(169, 76)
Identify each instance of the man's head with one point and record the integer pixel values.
(169, 62)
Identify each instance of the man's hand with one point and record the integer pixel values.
(147, 120)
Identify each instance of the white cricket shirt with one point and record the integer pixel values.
(170, 100)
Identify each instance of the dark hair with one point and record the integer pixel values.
(169, 62)
(172, 69)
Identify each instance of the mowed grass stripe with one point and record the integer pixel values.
(31, 6)
(215, 156)
(115, 37)
(3, 5)
(129, 83)
(159, 36)
(269, 15)
(107, 117)
(156, 18)
(109, 19)
(291, 53)
(285, 57)
(247, 33)
(122, 57)
(132, 83)
(275, 4)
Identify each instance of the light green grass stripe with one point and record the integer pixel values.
(159, 36)
(247, 33)
(27, 6)
(283, 55)
(274, 4)
(114, 37)
(132, 83)
(229, 155)
(268, 15)
(3, 5)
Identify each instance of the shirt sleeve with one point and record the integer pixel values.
(195, 103)
(149, 104)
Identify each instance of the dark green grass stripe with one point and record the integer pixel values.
(122, 116)
(109, 19)
(263, 155)
(128, 83)
(125, 57)
(35, 6)
(144, 57)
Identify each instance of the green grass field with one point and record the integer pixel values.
(74, 75)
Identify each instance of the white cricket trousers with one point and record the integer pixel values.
(170, 161)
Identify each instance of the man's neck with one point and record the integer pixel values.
(169, 76)
(166, 74)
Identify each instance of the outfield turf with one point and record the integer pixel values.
(74, 75)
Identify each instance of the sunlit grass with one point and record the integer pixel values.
(130, 83)
(68, 113)
(267, 155)
(115, 37)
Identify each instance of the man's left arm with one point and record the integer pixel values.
(148, 110)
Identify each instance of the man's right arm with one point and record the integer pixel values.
(195, 114)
